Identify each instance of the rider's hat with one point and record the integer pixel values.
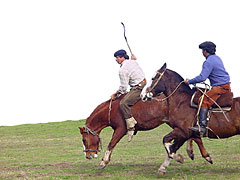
(209, 46)
(121, 53)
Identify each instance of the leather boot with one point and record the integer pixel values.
(130, 127)
(202, 121)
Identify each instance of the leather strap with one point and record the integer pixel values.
(142, 83)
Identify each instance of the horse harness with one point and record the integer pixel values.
(159, 78)
(155, 84)
(89, 131)
(204, 94)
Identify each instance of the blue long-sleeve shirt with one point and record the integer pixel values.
(214, 70)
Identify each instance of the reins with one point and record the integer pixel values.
(89, 131)
(204, 94)
(163, 99)
(159, 78)
(109, 111)
(155, 84)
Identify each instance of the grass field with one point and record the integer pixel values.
(54, 151)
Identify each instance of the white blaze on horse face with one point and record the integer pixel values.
(84, 149)
(143, 93)
(149, 83)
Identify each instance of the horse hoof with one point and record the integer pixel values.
(100, 167)
(209, 159)
(191, 157)
(179, 158)
(190, 154)
(161, 173)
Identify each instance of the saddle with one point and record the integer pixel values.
(225, 101)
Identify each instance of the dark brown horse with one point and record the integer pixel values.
(149, 115)
(181, 115)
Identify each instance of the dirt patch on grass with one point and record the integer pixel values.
(9, 169)
(99, 174)
(11, 172)
(63, 164)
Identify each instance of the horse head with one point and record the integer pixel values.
(91, 141)
(156, 84)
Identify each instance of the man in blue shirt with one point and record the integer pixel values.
(214, 70)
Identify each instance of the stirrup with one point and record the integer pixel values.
(198, 129)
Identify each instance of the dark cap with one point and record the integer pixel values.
(121, 53)
(209, 46)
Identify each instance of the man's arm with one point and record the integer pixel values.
(206, 70)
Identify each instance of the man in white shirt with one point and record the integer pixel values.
(130, 74)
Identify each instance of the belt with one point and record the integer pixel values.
(142, 83)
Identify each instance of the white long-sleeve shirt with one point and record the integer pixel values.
(130, 73)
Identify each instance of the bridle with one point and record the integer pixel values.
(89, 131)
(155, 84)
(159, 78)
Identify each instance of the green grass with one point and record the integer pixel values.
(54, 151)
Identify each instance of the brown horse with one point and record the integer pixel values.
(181, 115)
(149, 115)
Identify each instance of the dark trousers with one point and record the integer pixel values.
(129, 100)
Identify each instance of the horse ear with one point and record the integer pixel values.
(81, 130)
(163, 67)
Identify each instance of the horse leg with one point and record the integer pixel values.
(189, 149)
(177, 157)
(117, 136)
(105, 160)
(174, 147)
(162, 170)
(171, 149)
(202, 149)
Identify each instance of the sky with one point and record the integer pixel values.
(56, 56)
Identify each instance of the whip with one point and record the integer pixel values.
(126, 39)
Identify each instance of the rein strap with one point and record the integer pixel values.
(163, 99)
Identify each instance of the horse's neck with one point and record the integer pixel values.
(178, 94)
(97, 126)
(99, 118)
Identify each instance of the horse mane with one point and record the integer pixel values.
(184, 86)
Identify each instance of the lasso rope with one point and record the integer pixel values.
(199, 107)
(109, 110)
(205, 94)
